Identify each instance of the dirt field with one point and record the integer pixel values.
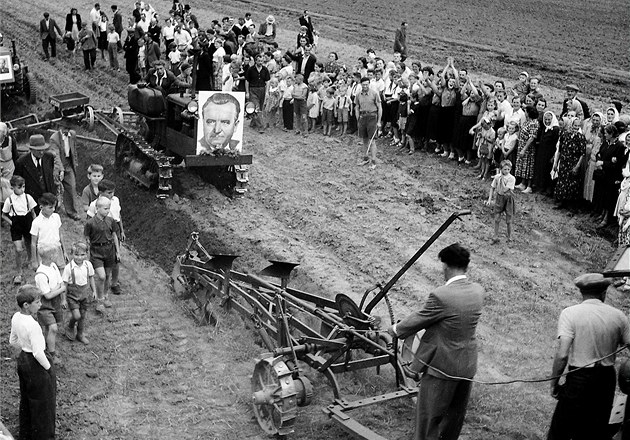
(151, 372)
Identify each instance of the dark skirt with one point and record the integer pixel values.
(543, 161)
(423, 115)
(445, 125)
(464, 140)
(432, 122)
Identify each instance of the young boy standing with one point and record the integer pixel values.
(46, 231)
(503, 187)
(90, 192)
(107, 189)
(48, 280)
(101, 233)
(78, 276)
(18, 212)
(38, 384)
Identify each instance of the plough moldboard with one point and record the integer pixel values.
(344, 338)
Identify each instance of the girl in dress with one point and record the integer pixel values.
(484, 143)
(273, 96)
(102, 36)
(527, 149)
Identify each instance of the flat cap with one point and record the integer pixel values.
(592, 283)
(572, 87)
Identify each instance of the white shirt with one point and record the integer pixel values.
(114, 209)
(48, 278)
(455, 278)
(47, 229)
(66, 144)
(26, 334)
(18, 205)
(182, 37)
(82, 273)
(95, 15)
(168, 32)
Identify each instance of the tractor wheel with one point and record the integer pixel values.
(30, 91)
(89, 117)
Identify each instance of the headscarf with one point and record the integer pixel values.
(588, 124)
(615, 118)
(554, 121)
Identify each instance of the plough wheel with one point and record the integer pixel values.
(89, 117)
(274, 396)
(117, 115)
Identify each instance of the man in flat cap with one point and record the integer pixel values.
(573, 103)
(587, 332)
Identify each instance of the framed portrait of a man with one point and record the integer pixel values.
(6, 69)
(220, 124)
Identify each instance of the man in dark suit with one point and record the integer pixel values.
(37, 169)
(305, 62)
(48, 36)
(305, 20)
(64, 149)
(447, 355)
(117, 21)
(400, 41)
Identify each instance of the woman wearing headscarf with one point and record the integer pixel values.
(612, 115)
(593, 133)
(567, 161)
(622, 209)
(611, 159)
(546, 142)
(527, 149)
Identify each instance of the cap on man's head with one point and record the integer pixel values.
(271, 19)
(572, 87)
(184, 66)
(592, 283)
(37, 142)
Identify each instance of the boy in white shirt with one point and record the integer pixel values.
(48, 280)
(18, 212)
(46, 231)
(78, 277)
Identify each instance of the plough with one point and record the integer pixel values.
(345, 337)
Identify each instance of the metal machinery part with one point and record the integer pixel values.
(276, 395)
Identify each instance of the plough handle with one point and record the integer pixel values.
(413, 259)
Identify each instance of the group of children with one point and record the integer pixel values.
(66, 282)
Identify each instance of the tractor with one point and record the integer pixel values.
(21, 82)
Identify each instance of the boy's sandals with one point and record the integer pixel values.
(70, 333)
(17, 279)
(100, 308)
(83, 339)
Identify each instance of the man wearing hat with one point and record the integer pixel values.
(587, 333)
(267, 30)
(64, 149)
(572, 103)
(37, 169)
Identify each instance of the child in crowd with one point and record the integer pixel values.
(343, 106)
(484, 143)
(401, 117)
(38, 383)
(521, 88)
(502, 189)
(328, 111)
(101, 234)
(286, 87)
(497, 151)
(46, 231)
(511, 142)
(18, 212)
(78, 277)
(411, 128)
(299, 95)
(273, 97)
(48, 280)
(312, 105)
(90, 192)
(142, 57)
(107, 189)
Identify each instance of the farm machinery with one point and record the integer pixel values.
(15, 78)
(300, 330)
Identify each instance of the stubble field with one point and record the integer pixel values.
(155, 374)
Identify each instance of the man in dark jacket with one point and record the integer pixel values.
(37, 169)
(117, 21)
(47, 27)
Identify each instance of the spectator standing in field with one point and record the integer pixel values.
(47, 28)
(593, 133)
(567, 162)
(38, 382)
(286, 87)
(113, 42)
(78, 278)
(46, 232)
(502, 198)
(73, 25)
(101, 234)
(527, 150)
(117, 21)
(400, 40)
(267, 31)
(131, 56)
(305, 62)
(299, 96)
(547, 140)
(586, 332)
(449, 318)
(63, 147)
(155, 31)
(90, 192)
(102, 34)
(611, 159)
(168, 32)
(18, 212)
(50, 315)
(368, 112)
(256, 79)
(37, 169)
(572, 103)
(305, 20)
(88, 41)
(8, 152)
(95, 19)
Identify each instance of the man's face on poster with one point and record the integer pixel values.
(219, 123)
